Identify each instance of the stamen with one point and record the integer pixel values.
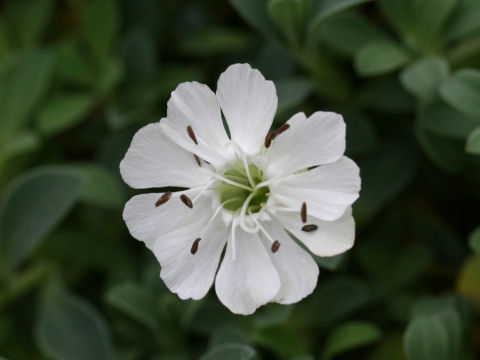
(303, 212)
(309, 228)
(195, 246)
(268, 139)
(275, 246)
(282, 129)
(197, 159)
(163, 199)
(243, 212)
(228, 181)
(186, 200)
(191, 134)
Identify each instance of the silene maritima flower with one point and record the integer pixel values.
(245, 197)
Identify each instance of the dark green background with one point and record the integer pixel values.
(78, 78)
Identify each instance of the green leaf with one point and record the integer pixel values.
(347, 32)
(140, 56)
(100, 22)
(230, 352)
(462, 91)
(441, 119)
(290, 17)
(331, 263)
(468, 282)
(474, 240)
(63, 111)
(284, 341)
(31, 206)
(21, 89)
(473, 142)
(464, 19)
(326, 8)
(349, 336)
(68, 327)
(424, 77)
(419, 22)
(434, 336)
(32, 28)
(72, 66)
(361, 135)
(255, 13)
(21, 143)
(292, 92)
(379, 57)
(135, 301)
(215, 41)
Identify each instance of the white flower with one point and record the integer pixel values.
(247, 192)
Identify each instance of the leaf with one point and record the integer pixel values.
(379, 57)
(462, 92)
(434, 336)
(347, 32)
(68, 327)
(349, 336)
(21, 89)
(255, 13)
(361, 134)
(473, 142)
(474, 240)
(290, 17)
(464, 19)
(292, 92)
(135, 301)
(284, 341)
(441, 119)
(100, 22)
(424, 77)
(63, 111)
(140, 56)
(331, 263)
(72, 66)
(327, 8)
(102, 187)
(22, 142)
(230, 352)
(33, 27)
(468, 282)
(33, 204)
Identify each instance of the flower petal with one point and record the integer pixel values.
(195, 105)
(331, 237)
(249, 103)
(154, 160)
(250, 280)
(318, 140)
(327, 189)
(297, 269)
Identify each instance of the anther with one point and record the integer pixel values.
(197, 159)
(268, 139)
(192, 134)
(281, 129)
(195, 246)
(275, 246)
(186, 200)
(303, 212)
(309, 228)
(163, 199)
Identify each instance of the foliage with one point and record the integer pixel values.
(79, 77)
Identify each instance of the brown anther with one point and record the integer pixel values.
(281, 129)
(197, 159)
(192, 134)
(309, 228)
(186, 200)
(303, 212)
(163, 199)
(268, 139)
(195, 246)
(275, 246)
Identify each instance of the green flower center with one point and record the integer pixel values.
(233, 197)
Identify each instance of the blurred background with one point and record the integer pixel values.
(79, 77)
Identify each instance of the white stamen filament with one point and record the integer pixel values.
(228, 181)
(240, 153)
(243, 213)
(264, 231)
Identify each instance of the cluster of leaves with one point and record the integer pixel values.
(79, 77)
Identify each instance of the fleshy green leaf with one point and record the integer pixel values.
(330, 263)
(326, 8)
(292, 91)
(462, 91)
(464, 19)
(473, 142)
(230, 352)
(21, 143)
(63, 111)
(255, 13)
(68, 327)
(290, 17)
(349, 336)
(424, 77)
(474, 240)
(380, 57)
(31, 206)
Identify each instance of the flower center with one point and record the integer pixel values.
(233, 197)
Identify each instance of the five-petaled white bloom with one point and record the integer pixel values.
(249, 191)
